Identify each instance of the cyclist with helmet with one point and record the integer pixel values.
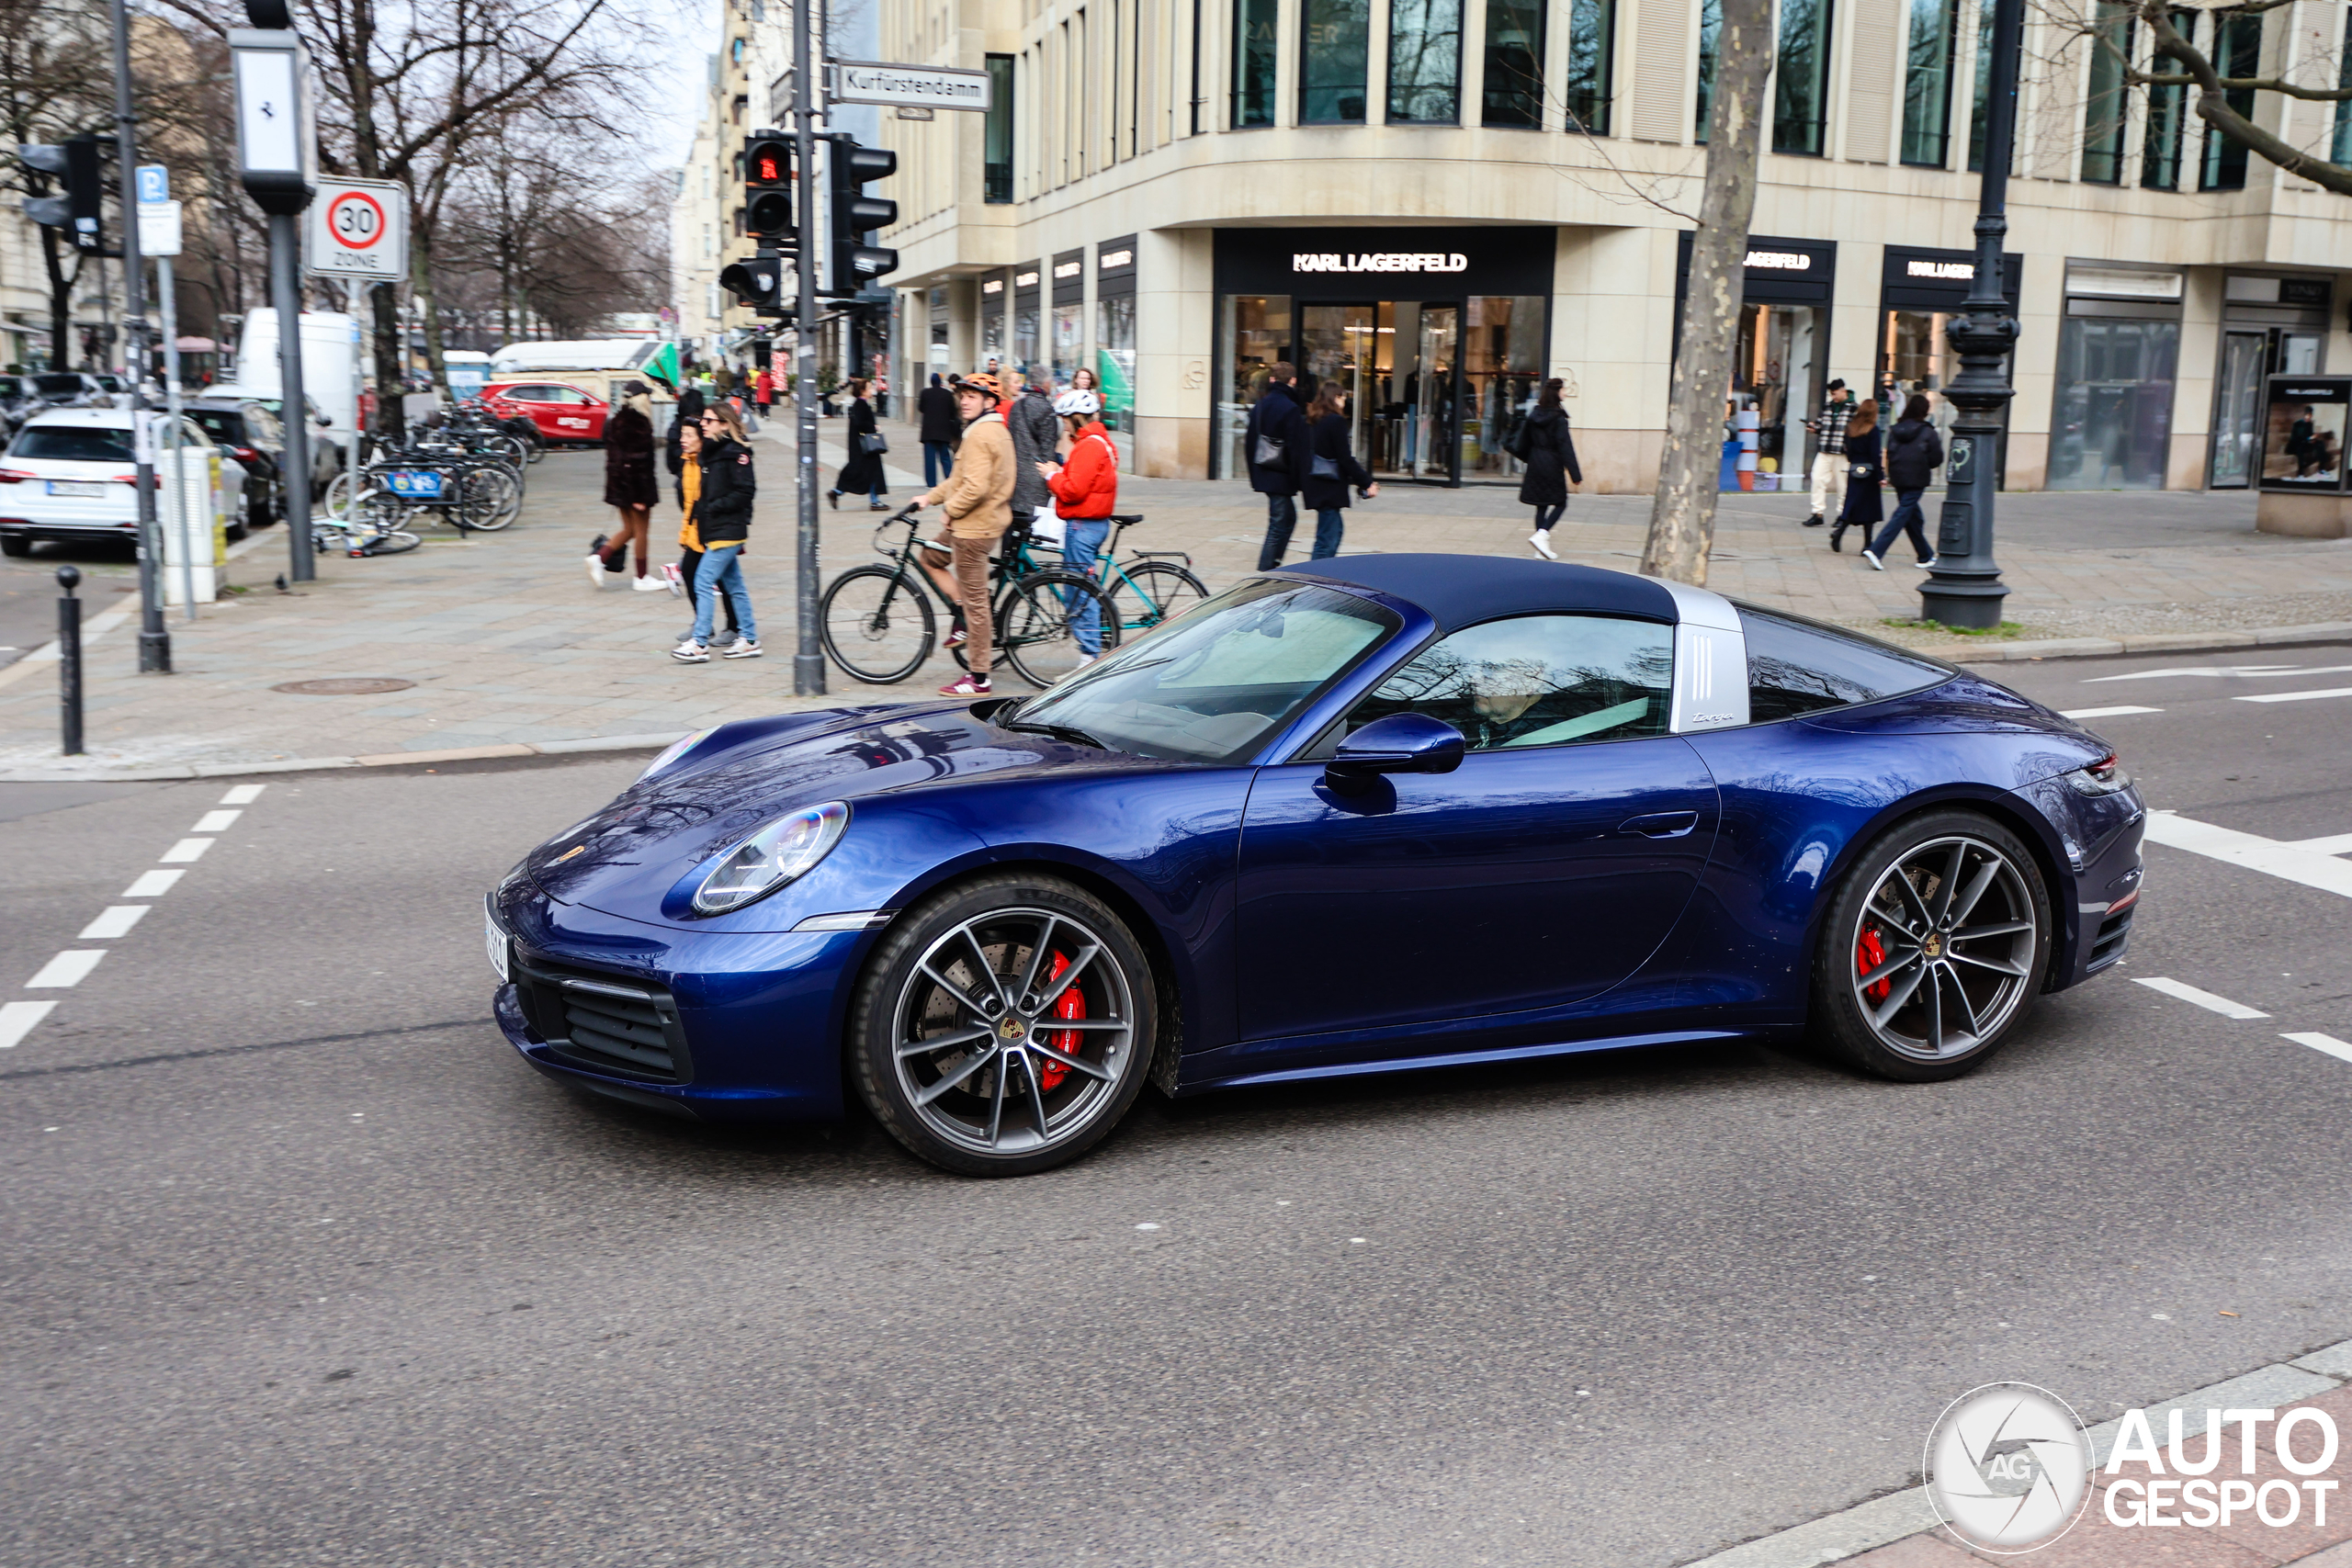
(1086, 491)
(977, 499)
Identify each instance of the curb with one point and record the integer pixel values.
(321, 764)
(1898, 1515)
(2153, 642)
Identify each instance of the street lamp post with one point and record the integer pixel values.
(1965, 588)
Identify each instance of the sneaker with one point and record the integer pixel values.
(596, 571)
(958, 636)
(1815, 520)
(970, 686)
(650, 583)
(744, 648)
(1543, 543)
(674, 581)
(690, 653)
(1928, 565)
(1876, 564)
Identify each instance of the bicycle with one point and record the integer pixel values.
(1150, 586)
(879, 626)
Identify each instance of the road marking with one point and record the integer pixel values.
(113, 920)
(2296, 697)
(215, 821)
(2341, 1050)
(2223, 669)
(69, 967)
(16, 1020)
(185, 849)
(244, 794)
(2341, 844)
(2253, 851)
(152, 884)
(2104, 713)
(2205, 999)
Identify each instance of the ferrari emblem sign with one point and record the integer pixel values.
(359, 229)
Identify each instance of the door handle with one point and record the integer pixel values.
(1661, 824)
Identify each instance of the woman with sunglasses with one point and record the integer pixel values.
(719, 514)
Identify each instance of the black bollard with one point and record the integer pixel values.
(69, 658)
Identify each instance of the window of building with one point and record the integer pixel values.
(2106, 106)
(1514, 89)
(2237, 51)
(1253, 62)
(1980, 101)
(2340, 150)
(2167, 114)
(1425, 61)
(1334, 50)
(1927, 82)
(1710, 27)
(997, 138)
(1592, 45)
(2112, 421)
(1800, 78)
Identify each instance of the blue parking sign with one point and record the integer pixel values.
(155, 183)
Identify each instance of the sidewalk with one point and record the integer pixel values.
(505, 646)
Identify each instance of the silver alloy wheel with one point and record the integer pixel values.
(986, 1050)
(1943, 949)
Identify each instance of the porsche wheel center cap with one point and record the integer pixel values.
(1009, 1029)
(1934, 946)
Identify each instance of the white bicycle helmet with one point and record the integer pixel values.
(1077, 401)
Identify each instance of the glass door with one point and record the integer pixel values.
(2237, 405)
(1434, 396)
(1337, 342)
(1395, 381)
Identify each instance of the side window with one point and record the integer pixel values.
(1796, 666)
(1537, 680)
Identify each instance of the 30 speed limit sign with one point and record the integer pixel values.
(359, 229)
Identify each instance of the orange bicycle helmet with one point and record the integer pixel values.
(983, 383)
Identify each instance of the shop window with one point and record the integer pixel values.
(2110, 424)
(1514, 90)
(1425, 62)
(1115, 360)
(2237, 51)
(997, 137)
(2167, 114)
(1256, 334)
(1592, 44)
(1800, 76)
(1334, 48)
(1927, 82)
(2105, 107)
(1710, 27)
(1502, 368)
(1253, 62)
(1981, 101)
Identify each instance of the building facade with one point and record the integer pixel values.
(1444, 201)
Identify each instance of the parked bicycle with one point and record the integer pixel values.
(1150, 586)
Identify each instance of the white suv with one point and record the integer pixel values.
(67, 475)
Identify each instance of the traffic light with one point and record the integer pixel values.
(759, 283)
(856, 215)
(768, 215)
(74, 165)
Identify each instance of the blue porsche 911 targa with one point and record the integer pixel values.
(1373, 813)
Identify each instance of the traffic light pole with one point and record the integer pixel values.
(154, 637)
(808, 657)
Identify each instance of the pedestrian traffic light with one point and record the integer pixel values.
(74, 165)
(855, 215)
(758, 282)
(768, 215)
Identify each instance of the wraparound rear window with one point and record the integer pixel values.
(1796, 666)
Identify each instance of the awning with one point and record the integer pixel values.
(197, 345)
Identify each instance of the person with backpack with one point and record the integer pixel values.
(1086, 491)
(722, 488)
(1914, 452)
(1544, 444)
(1036, 434)
(1332, 470)
(1273, 448)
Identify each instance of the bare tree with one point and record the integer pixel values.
(55, 83)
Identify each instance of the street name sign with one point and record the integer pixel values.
(923, 86)
(359, 229)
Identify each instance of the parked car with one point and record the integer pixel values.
(559, 412)
(68, 389)
(248, 431)
(326, 452)
(16, 400)
(67, 475)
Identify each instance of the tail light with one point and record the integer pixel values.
(131, 479)
(15, 476)
(246, 454)
(2105, 776)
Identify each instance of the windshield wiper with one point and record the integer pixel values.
(1062, 732)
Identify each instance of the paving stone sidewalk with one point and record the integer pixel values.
(508, 646)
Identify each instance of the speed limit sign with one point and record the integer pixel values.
(359, 229)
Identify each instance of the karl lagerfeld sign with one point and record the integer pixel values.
(1379, 261)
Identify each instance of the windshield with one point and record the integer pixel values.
(62, 385)
(74, 443)
(1213, 686)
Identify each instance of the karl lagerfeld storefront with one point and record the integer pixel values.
(1441, 336)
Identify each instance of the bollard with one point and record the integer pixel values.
(69, 660)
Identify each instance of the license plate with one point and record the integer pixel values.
(415, 484)
(495, 940)
(77, 487)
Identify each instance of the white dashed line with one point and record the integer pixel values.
(2104, 713)
(2288, 862)
(2297, 697)
(2205, 999)
(152, 884)
(2226, 671)
(17, 1020)
(69, 967)
(244, 794)
(216, 822)
(185, 849)
(2339, 1049)
(113, 920)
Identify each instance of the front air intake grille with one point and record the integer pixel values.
(611, 1023)
(2114, 936)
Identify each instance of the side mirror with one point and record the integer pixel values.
(1401, 743)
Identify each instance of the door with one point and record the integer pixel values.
(2237, 406)
(1540, 873)
(1433, 395)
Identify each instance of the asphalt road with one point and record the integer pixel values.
(301, 1266)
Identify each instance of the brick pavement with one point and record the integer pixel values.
(508, 647)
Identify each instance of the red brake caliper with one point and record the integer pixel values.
(1869, 953)
(1070, 1004)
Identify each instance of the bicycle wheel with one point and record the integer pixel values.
(491, 499)
(1144, 593)
(337, 502)
(392, 542)
(1037, 624)
(877, 623)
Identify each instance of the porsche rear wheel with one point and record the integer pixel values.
(1004, 1026)
(1935, 945)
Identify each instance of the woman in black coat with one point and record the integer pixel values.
(862, 474)
(629, 488)
(1864, 507)
(1332, 468)
(1544, 444)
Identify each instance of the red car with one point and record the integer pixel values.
(561, 413)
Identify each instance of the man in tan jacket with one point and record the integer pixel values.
(977, 499)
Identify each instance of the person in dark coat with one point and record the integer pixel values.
(1544, 444)
(1914, 452)
(1864, 508)
(942, 427)
(862, 474)
(1277, 429)
(722, 523)
(630, 489)
(1331, 470)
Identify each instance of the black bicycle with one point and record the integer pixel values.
(879, 625)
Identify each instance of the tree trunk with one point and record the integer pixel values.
(1682, 513)
(419, 283)
(61, 301)
(391, 366)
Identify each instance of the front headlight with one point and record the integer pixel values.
(785, 849)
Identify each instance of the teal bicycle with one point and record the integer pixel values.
(1147, 588)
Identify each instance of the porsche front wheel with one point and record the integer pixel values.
(1004, 1026)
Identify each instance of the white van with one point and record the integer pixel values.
(330, 363)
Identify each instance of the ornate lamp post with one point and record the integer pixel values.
(1965, 588)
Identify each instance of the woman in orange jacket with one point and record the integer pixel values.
(1086, 491)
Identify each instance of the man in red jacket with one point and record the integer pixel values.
(1086, 491)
